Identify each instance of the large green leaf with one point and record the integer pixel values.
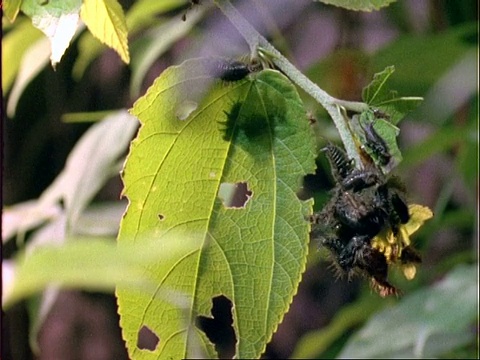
(192, 144)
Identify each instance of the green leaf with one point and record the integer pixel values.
(33, 61)
(92, 162)
(57, 19)
(359, 5)
(376, 91)
(15, 44)
(106, 20)
(11, 9)
(252, 133)
(398, 107)
(143, 14)
(378, 95)
(84, 263)
(424, 324)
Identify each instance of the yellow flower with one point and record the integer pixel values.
(392, 245)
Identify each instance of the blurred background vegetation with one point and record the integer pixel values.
(433, 45)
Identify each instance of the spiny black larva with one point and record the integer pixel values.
(341, 166)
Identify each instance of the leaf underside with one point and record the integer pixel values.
(198, 133)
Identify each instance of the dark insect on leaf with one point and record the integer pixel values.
(376, 144)
(231, 70)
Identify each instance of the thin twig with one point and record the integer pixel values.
(331, 104)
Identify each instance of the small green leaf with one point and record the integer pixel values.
(359, 5)
(252, 133)
(58, 19)
(378, 95)
(11, 9)
(398, 107)
(106, 20)
(376, 90)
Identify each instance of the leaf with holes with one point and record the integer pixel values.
(201, 139)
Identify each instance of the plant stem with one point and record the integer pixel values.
(331, 104)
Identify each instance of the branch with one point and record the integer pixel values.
(331, 104)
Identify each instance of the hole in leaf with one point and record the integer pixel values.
(147, 339)
(218, 328)
(184, 109)
(161, 217)
(234, 195)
